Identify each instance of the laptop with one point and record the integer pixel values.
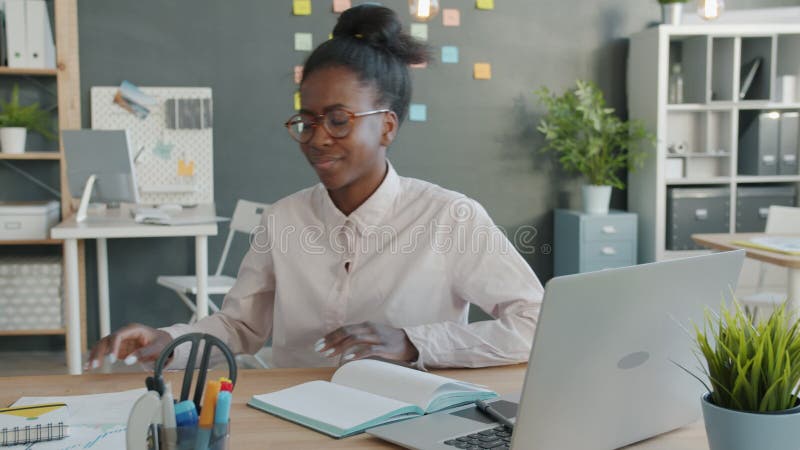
(602, 372)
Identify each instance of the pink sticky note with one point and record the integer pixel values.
(418, 66)
(298, 74)
(451, 17)
(341, 5)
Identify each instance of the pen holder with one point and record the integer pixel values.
(192, 438)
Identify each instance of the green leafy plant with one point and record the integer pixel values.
(31, 117)
(754, 368)
(588, 137)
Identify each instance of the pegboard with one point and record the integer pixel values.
(157, 170)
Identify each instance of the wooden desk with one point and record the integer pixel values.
(251, 428)
(724, 242)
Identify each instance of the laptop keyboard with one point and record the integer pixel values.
(495, 438)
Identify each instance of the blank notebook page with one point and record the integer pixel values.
(340, 406)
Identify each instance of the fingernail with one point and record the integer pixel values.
(319, 345)
(95, 364)
(130, 360)
(112, 358)
(329, 352)
(348, 356)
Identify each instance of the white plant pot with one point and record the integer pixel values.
(671, 13)
(596, 198)
(12, 139)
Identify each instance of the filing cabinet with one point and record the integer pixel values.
(693, 210)
(589, 242)
(753, 202)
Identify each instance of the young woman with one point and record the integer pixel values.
(367, 263)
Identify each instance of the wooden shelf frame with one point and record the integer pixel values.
(28, 72)
(32, 156)
(67, 76)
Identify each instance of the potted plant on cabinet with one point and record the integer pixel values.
(590, 139)
(16, 120)
(671, 11)
(754, 370)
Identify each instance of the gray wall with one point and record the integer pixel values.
(479, 139)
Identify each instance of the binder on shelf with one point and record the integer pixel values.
(788, 147)
(15, 34)
(39, 44)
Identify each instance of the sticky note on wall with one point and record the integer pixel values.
(418, 112)
(301, 7)
(449, 54)
(297, 101)
(451, 17)
(484, 4)
(341, 5)
(420, 31)
(303, 42)
(185, 168)
(482, 71)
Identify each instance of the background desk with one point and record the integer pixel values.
(724, 242)
(254, 429)
(118, 223)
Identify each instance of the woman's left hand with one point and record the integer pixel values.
(366, 340)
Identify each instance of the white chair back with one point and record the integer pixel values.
(783, 219)
(246, 217)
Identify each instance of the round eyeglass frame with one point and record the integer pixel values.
(321, 118)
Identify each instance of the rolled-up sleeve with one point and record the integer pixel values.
(244, 322)
(490, 273)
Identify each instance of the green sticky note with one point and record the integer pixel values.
(303, 42)
(420, 31)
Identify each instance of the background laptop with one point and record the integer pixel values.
(601, 375)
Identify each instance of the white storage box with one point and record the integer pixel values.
(30, 220)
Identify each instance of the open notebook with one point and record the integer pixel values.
(367, 393)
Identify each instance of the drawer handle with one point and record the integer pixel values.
(768, 159)
(13, 225)
(609, 229)
(609, 251)
(701, 214)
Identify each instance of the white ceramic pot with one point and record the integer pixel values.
(737, 430)
(671, 13)
(596, 198)
(12, 139)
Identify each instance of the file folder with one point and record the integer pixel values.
(15, 34)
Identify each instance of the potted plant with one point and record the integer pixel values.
(590, 139)
(754, 370)
(16, 120)
(671, 11)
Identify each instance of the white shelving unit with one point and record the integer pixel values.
(707, 121)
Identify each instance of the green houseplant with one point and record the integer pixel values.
(753, 371)
(589, 138)
(16, 120)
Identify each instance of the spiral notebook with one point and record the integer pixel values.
(33, 423)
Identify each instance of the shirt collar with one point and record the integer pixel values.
(371, 212)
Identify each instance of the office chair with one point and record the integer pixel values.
(246, 217)
(780, 220)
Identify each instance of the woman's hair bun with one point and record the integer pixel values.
(379, 27)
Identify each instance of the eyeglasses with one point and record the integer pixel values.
(338, 122)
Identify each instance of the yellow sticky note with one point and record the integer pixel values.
(185, 169)
(482, 71)
(297, 101)
(484, 4)
(451, 17)
(298, 74)
(341, 5)
(301, 7)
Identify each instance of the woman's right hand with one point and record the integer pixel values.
(143, 342)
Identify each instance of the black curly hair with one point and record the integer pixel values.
(369, 40)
